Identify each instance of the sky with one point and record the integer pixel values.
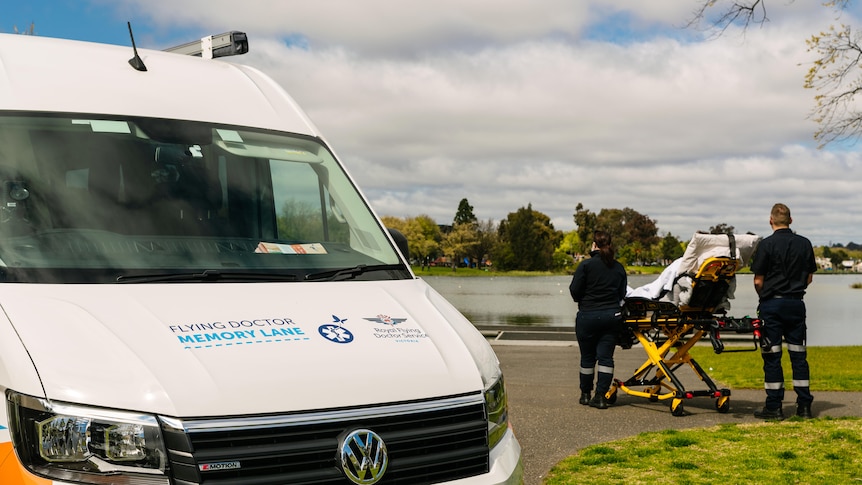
(547, 103)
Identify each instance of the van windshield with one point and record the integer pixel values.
(89, 199)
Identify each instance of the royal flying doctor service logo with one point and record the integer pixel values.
(386, 320)
(396, 330)
(363, 457)
(335, 332)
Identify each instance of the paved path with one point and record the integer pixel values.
(551, 425)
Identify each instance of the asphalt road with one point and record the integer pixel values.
(541, 379)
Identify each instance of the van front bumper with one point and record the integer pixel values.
(507, 468)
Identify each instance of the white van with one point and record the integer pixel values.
(194, 291)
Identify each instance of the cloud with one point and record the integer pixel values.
(376, 27)
(553, 102)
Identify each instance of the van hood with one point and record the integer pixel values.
(193, 350)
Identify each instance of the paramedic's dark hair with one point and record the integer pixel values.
(606, 247)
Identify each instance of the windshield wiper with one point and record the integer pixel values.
(350, 273)
(206, 275)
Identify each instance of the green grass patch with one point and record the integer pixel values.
(832, 368)
(793, 451)
(823, 450)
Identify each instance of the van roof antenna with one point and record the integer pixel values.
(135, 61)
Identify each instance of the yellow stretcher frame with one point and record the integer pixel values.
(662, 327)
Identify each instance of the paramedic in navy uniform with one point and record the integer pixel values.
(599, 287)
(783, 267)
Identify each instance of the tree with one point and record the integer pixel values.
(586, 222)
(568, 251)
(627, 226)
(459, 242)
(527, 240)
(837, 257)
(639, 228)
(721, 228)
(486, 241)
(612, 221)
(464, 214)
(631, 254)
(427, 238)
(570, 244)
(670, 248)
(833, 74)
(633, 234)
(736, 12)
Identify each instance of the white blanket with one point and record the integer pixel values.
(672, 284)
(704, 246)
(660, 286)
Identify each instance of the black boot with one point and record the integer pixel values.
(598, 401)
(804, 411)
(585, 398)
(770, 414)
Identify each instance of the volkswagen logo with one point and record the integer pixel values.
(363, 456)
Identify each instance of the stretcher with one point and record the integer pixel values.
(667, 330)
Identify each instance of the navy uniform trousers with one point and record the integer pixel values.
(596, 331)
(784, 318)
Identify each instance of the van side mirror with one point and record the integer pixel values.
(400, 241)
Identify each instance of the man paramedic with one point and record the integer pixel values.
(783, 267)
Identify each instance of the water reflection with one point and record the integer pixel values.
(833, 306)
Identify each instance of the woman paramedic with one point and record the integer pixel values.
(599, 288)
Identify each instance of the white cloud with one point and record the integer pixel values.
(513, 103)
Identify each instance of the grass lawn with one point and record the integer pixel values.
(822, 450)
(832, 368)
(792, 451)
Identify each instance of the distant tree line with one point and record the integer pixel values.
(527, 240)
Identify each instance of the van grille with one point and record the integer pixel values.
(428, 442)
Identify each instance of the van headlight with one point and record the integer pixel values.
(85, 444)
(496, 406)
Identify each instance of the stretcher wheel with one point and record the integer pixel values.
(612, 398)
(722, 404)
(676, 407)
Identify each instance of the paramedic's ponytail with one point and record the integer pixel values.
(602, 240)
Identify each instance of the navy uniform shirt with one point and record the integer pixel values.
(595, 286)
(785, 260)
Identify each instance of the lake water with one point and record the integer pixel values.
(834, 308)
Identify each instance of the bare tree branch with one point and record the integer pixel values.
(736, 13)
(835, 74)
